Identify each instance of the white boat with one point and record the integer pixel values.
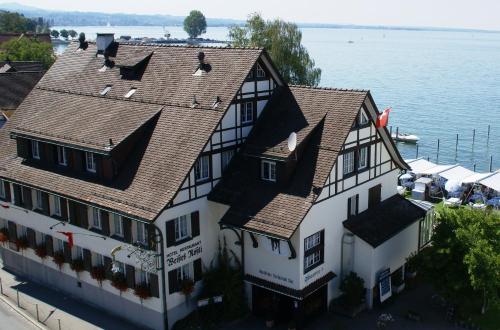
(404, 137)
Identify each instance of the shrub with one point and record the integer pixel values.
(58, 259)
(22, 243)
(119, 282)
(352, 287)
(77, 265)
(98, 273)
(41, 251)
(412, 262)
(4, 235)
(397, 278)
(142, 291)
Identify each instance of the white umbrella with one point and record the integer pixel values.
(406, 176)
(452, 185)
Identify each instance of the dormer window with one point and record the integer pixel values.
(62, 158)
(35, 149)
(246, 112)
(90, 163)
(105, 90)
(260, 72)
(130, 93)
(268, 170)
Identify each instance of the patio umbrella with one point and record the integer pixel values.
(406, 176)
(452, 186)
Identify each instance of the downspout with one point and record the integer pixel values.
(342, 254)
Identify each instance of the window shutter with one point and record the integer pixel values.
(87, 260)
(17, 194)
(67, 252)
(107, 268)
(64, 209)
(105, 223)
(30, 233)
(357, 204)
(348, 208)
(154, 285)
(7, 191)
(84, 219)
(22, 148)
(127, 230)
(73, 213)
(197, 270)
(45, 203)
(49, 245)
(130, 275)
(170, 230)
(48, 154)
(28, 200)
(12, 231)
(78, 160)
(173, 286)
(322, 247)
(195, 224)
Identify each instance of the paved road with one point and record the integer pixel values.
(10, 319)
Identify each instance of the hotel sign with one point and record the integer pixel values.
(185, 253)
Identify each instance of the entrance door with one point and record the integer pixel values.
(265, 301)
(315, 304)
(374, 196)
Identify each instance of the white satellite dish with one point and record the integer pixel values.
(292, 141)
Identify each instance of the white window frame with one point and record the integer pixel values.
(60, 245)
(117, 224)
(90, 163)
(363, 118)
(96, 218)
(35, 149)
(62, 158)
(312, 241)
(39, 203)
(202, 168)
(226, 157)
(98, 259)
(182, 227)
(363, 158)
(312, 259)
(246, 112)
(348, 162)
(140, 232)
(78, 252)
(185, 272)
(57, 206)
(143, 277)
(260, 72)
(354, 206)
(271, 170)
(2, 189)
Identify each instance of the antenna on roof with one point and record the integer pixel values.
(292, 141)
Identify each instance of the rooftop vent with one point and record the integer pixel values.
(130, 92)
(195, 102)
(216, 102)
(106, 90)
(103, 41)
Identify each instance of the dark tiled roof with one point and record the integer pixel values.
(278, 210)
(298, 294)
(15, 86)
(99, 119)
(379, 224)
(156, 168)
(23, 65)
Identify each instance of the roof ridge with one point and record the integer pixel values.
(356, 90)
(150, 44)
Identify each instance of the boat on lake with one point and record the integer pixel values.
(405, 137)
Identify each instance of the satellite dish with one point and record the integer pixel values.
(292, 141)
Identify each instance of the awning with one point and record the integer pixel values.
(419, 165)
(457, 173)
(476, 177)
(438, 169)
(493, 181)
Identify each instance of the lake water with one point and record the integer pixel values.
(439, 83)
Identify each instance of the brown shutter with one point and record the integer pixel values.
(64, 209)
(197, 270)
(107, 267)
(49, 245)
(67, 252)
(7, 191)
(130, 275)
(12, 231)
(151, 237)
(173, 285)
(170, 232)
(195, 224)
(17, 194)
(77, 160)
(105, 223)
(48, 154)
(84, 219)
(87, 260)
(27, 198)
(45, 203)
(73, 213)
(154, 285)
(30, 233)
(127, 230)
(22, 148)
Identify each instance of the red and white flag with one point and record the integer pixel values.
(69, 235)
(383, 118)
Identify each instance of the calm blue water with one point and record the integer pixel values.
(439, 84)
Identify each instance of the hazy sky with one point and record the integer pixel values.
(480, 14)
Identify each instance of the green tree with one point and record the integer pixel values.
(464, 259)
(283, 41)
(195, 24)
(72, 34)
(54, 33)
(64, 33)
(28, 49)
(15, 22)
